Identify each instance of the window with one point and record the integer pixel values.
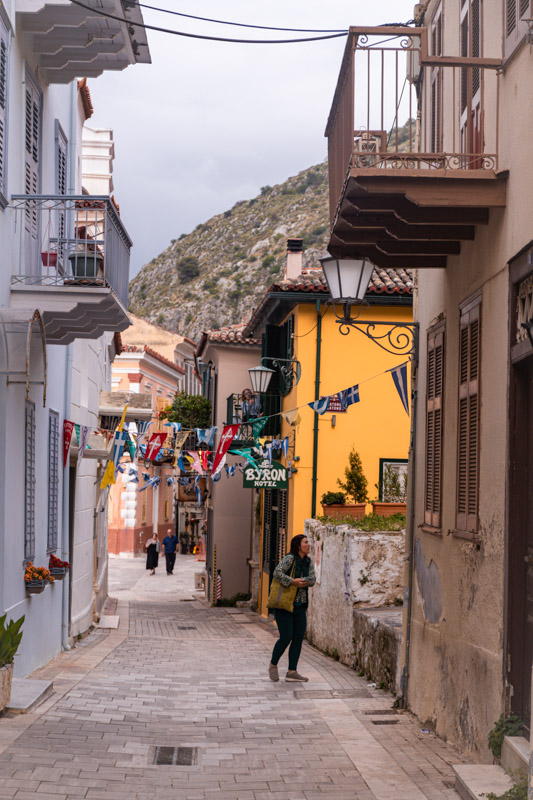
(29, 483)
(513, 25)
(468, 416)
(4, 76)
(434, 426)
(470, 94)
(436, 84)
(53, 479)
(32, 167)
(61, 181)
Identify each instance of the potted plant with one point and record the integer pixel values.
(10, 636)
(354, 488)
(392, 493)
(57, 568)
(36, 578)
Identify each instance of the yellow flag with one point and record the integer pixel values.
(122, 419)
(109, 474)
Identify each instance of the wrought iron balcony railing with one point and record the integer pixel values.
(74, 240)
(245, 411)
(400, 104)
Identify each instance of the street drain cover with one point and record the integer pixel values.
(377, 711)
(384, 721)
(330, 694)
(186, 627)
(175, 756)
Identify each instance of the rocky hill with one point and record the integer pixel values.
(216, 274)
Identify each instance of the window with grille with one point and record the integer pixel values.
(4, 64)
(434, 426)
(468, 417)
(53, 479)
(29, 483)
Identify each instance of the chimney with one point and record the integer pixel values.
(293, 267)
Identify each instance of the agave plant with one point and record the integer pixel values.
(10, 636)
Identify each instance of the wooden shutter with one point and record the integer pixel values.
(434, 426)
(53, 479)
(29, 483)
(4, 49)
(468, 418)
(510, 16)
(61, 186)
(32, 167)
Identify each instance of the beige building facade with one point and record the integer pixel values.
(450, 194)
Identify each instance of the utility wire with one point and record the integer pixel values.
(198, 36)
(236, 24)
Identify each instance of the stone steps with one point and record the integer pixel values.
(475, 781)
(515, 753)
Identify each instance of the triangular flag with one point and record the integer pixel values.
(196, 463)
(257, 427)
(122, 419)
(68, 428)
(155, 443)
(285, 446)
(293, 418)
(320, 406)
(206, 435)
(109, 475)
(399, 376)
(227, 436)
(82, 442)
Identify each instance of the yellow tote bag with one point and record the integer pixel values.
(283, 596)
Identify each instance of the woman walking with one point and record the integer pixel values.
(296, 569)
(153, 549)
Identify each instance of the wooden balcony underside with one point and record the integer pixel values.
(413, 218)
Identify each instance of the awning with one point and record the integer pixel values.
(23, 348)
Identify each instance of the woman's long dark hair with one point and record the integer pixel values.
(296, 542)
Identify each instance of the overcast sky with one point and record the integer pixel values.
(208, 123)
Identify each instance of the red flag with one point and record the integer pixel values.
(154, 445)
(68, 428)
(228, 434)
(203, 459)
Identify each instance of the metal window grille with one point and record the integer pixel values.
(53, 479)
(29, 483)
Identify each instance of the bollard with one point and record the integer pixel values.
(219, 587)
(214, 575)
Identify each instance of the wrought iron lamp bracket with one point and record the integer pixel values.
(399, 338)
(289, 369)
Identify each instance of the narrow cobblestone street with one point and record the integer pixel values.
(178, 673)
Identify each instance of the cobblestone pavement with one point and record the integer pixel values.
(179, 674)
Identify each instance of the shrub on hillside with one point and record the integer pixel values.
(188, 269)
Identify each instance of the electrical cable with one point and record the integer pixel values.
(132, 24)
(301, 335)
(236, 24)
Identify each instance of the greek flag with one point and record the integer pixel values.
(399, 376)
(348, 396)
(176, 426)
(285, 446)
(170, 480)
(320, 406)
(206, 435)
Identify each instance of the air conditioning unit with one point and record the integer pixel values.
(412, 56)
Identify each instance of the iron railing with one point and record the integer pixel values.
(244, 412)
(399, 104)
(71, 240)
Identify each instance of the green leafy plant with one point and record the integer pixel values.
(505, 726)
(10, 636)
(518, 790)
(371, 522)
(333, 498)
(392, 488)
(193, 411)
(355, 483)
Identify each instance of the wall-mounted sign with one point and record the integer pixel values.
(265, 476)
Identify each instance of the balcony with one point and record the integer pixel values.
(412, 148)
(269, 405)
(72, 41)
(71, 261)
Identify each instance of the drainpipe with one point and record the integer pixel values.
(411, 522)
(317, 397)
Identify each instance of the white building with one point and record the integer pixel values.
(63, 295)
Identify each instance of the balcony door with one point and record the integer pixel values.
(32, 173)
(471, 122)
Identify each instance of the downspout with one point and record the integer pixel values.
(411, 522)
(65, 622)
(317, 397)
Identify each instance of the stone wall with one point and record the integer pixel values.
(357, 570)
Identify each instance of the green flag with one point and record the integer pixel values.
(257, 427)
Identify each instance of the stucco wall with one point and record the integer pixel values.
(357, 570)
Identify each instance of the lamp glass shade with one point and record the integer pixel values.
(260, 378)
(347, 278)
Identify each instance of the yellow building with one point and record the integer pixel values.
(296, 323)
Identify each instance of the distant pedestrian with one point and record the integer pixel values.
(296, 569)
(170, 543)
(251, 405)
(153, 548)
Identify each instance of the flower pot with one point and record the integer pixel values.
(354, 510)
(6, 676)
(85, 265)
(388, 509)
(35, 587)
(49, 259)
(58, 572)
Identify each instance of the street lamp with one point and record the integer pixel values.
(347, 279)
(260, 378)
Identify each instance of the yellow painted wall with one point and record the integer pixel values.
(377, 426)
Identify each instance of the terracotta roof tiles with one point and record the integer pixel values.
(383, 281)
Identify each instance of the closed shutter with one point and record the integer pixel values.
(434, 427)
(468, 419)
(29, 483)
(267, 528)
(53, 479)
(32, 167)
(282, 523)
(4, 50)
(61, 186)
(510, 17)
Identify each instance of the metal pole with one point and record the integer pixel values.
(317, 397)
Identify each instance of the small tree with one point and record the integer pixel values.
(355, 484)
(192, 410)
(188, 269)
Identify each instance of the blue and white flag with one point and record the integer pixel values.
(285, 446)
(320, 406)
(142, 426)
(181, 463)
(134, 480)
(132, 471)
(348, 396)
(399, 376)
(176, 426)
(152, 482)
(206, 435)
(198, 491)
(146, 476)
(170, 480)
(120, 468)
(121, 437)
(268, 453)
(217, 477)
